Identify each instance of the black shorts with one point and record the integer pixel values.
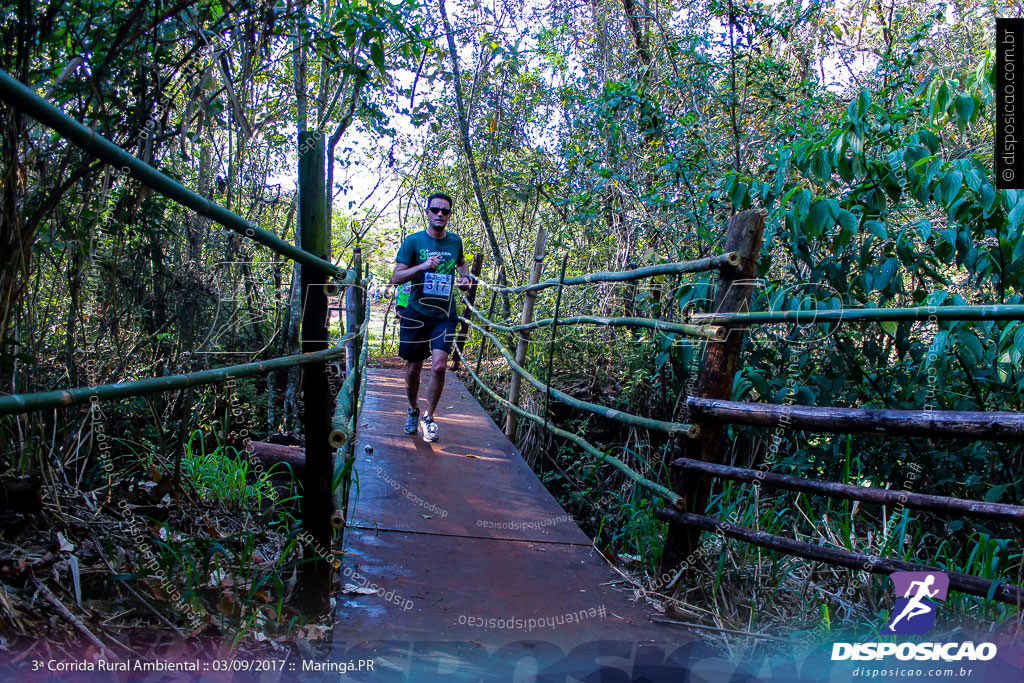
(419, 334)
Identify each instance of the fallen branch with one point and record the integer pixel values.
(75, 621)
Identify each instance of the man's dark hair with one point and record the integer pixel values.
(440, 195)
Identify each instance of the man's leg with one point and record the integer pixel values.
(440, 347)
(412, 348)
(438, 367)
(412, 382)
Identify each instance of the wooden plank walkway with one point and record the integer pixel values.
(468, 569)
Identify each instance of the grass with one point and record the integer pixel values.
(224, 475)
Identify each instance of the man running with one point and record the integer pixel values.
(428, 260)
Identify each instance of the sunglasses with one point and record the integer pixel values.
(438, 210)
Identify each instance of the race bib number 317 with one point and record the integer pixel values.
(437, 284)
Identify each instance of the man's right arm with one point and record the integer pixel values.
(405, 269)
(404, 273)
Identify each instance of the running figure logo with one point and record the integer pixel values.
(916, 593)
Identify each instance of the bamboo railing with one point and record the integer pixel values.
(61, 398)
(20, 96)
(319, 279)
(697, 266)
(711, 411)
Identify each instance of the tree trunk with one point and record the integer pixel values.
(468, 148)
(289, 421)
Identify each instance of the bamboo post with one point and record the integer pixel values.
(359, 320)
(317, 503)
(351, 354)
(524, 335)
(483, 340)
(720, 362)
(346, 416)
(551, 348)
(460, 340)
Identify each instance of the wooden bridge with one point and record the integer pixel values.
(458, 562)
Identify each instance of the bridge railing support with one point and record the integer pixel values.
(315, 277)
(721, 359)
(317, 500)
(539, 250)
(460, 339)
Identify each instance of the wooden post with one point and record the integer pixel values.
(524, 335)
(721, 359)
(460, 340)
(317, 503)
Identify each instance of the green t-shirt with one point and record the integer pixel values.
(402, 299)
(432, 290)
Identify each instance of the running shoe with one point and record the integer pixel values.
(429, 429)
(410, 424)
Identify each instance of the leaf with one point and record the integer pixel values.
(847, 220)
(987, 198)
(1013, 220)
(964, 109)
(738, 194)
(816, 218)
(889, 327)
(64, 544)
(930, 140)
(377, 55)
(877, 228)
(949, 187)
(973, 347)
(995, 493)
(1018, 250)
(940, 103)
(859, 106)
(820, 166)
(885, 274)
(924, 228)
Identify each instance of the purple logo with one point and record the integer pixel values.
(916, 596)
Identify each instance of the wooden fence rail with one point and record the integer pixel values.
(946, 424)
(1000, 591)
